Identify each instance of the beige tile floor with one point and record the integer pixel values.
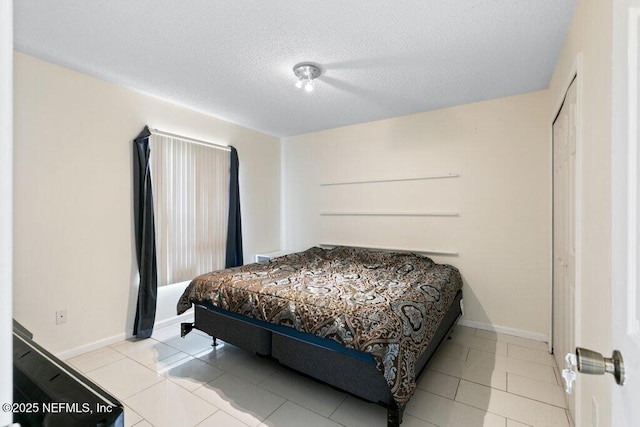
(478, 378)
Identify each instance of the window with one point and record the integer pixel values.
(191, 206)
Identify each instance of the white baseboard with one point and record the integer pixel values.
(188, 317)
(504, 330)
(68, 354)
(184, 317)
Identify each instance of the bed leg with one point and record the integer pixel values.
(394, 415)
(215, 342)
(185, 328)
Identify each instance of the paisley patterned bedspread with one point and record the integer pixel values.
(385, 304)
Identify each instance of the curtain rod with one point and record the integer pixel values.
(188, 139)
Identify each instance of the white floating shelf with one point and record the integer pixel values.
(422, 251)
(375, 181)
(389, 214)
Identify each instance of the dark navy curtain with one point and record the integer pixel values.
(234, 230)
(145, 237)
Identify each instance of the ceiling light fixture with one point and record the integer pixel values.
(306, 73)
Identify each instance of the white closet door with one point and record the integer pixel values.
(564, 202)
(625, 254)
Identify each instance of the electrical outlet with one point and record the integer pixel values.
(61, 317)
(594, 412)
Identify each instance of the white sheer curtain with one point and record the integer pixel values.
(191, 207)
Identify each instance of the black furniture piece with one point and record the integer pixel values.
(323, 359)
(48, 392)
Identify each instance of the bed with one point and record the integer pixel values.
(364, 321)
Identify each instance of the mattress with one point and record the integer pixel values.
(385, 304)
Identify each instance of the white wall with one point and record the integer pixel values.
(6, 143)
(500, 148)
(73, 241)
(590, 34)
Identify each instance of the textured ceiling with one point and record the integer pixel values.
(233, 59)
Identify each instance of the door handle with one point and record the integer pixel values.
(593, 363)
